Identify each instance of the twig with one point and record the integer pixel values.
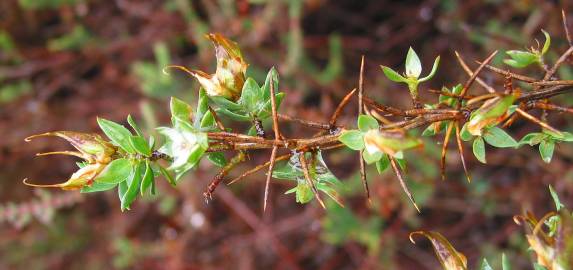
(566, 27)
(473, 77)
(461, 150)
(510, 74)
(536, 121)
(402, 182)
(444, 150)
(217, 119)
(557, 64)
(258, 168)
(360, 112)
(275, 147)
(469, 72)
(306, 172)
(552, 83)
(339, 108)
(240, 157)
(303, 122)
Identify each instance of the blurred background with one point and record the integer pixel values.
(64, 62)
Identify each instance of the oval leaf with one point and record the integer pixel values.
(497, 137)
(479, 149)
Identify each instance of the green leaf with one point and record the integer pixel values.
(148, 178)
(181, 112)
(167, 176)
(117, 133)
(505, 265)
(485, 265)
(217, 158)
(233, 115)
(382, 164)
(353, 139)
(367, 122)
(115, 172)
(556, 200)
(201, 119)
(537, 266)
(413, 64)
(497, 137)
(225, 103)
(323, 178)
(479, 149)
(520, 59)
(267, 86)
(546, 148)
(532, 138)
(547, 42)
(251, 97)
(140, 145)
(97, 187)
(133, 183)
(433, 72)
(207, 121)
(122, 189)
(465, 135)
(393, 75)
(429, 131)
(266, 111)
(133, 125)
(371, 157)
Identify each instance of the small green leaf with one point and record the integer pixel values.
(556, 200)
(485, 265)
(479, 149)
(547, 42)
(371, 157)
(117, 133)
(532, 138)
(201, 119)
(97, 187)
(133, 184)
(217, 158)
(393, 75)
(413, 64)
(140, 145)
(429, 131)
(207, 121)
(167, 176)
(497, 137)
(181, 112)
(465, 134)
(266, 111)
(520, 59)
(505, 265)
(367, 122)
(546, 148)
(433, 72)
(382, 164)
(273, 74)
(251, 97)
(115, 172)
(148, 178)
(537, 266)
(233, 115)
(353, 139)
(133, 125)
